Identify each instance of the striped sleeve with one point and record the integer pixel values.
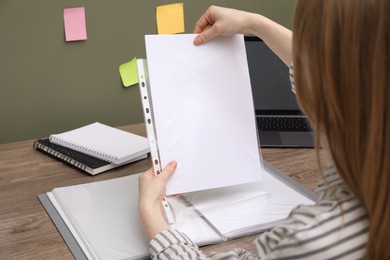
(318, 232)
(173, 244)
(336, 227)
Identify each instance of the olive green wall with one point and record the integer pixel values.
(48, 85)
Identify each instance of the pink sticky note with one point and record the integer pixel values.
(74, 23)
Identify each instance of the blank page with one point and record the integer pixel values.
(203, 111)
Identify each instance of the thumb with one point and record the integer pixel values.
(206, 35)
(168, 171)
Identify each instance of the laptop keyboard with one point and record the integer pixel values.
(281, 123)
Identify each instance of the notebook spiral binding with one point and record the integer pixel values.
(67, 156)
(86, 150)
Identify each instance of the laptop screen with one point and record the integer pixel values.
(270, 80)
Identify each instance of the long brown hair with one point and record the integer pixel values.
(341, 54)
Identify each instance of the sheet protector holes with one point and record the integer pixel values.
(147, 110)
(149, 121)
(157, 172)
(143, 84)
(145, 97)
(156, 161)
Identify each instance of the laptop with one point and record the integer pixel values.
(280, 121)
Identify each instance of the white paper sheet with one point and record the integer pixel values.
(203, 111)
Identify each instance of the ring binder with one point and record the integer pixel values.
(115, 231)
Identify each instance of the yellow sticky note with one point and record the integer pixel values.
(129, 72)
(170, 18)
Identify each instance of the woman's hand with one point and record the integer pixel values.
(218, 21)
(151, 193)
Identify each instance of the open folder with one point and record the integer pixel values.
(100, 220)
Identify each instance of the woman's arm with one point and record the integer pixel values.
(225, 21)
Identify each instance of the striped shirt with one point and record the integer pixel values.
(335, 227)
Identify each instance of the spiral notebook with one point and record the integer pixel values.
(77, 160)
(104, 142)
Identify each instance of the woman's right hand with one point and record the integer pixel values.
(218, 21)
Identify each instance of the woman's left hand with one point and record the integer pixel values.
(151, 193)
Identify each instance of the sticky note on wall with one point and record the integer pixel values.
(170, 18)
(74, 24)
(129, 72)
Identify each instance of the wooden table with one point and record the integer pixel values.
(27, 232)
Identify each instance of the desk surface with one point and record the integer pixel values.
(26, 231)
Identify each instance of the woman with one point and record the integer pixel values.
(341, 55)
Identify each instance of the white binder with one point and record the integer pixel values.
(100, 220)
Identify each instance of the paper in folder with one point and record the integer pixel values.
(198, 108)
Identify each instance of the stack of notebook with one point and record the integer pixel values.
(94, 148)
